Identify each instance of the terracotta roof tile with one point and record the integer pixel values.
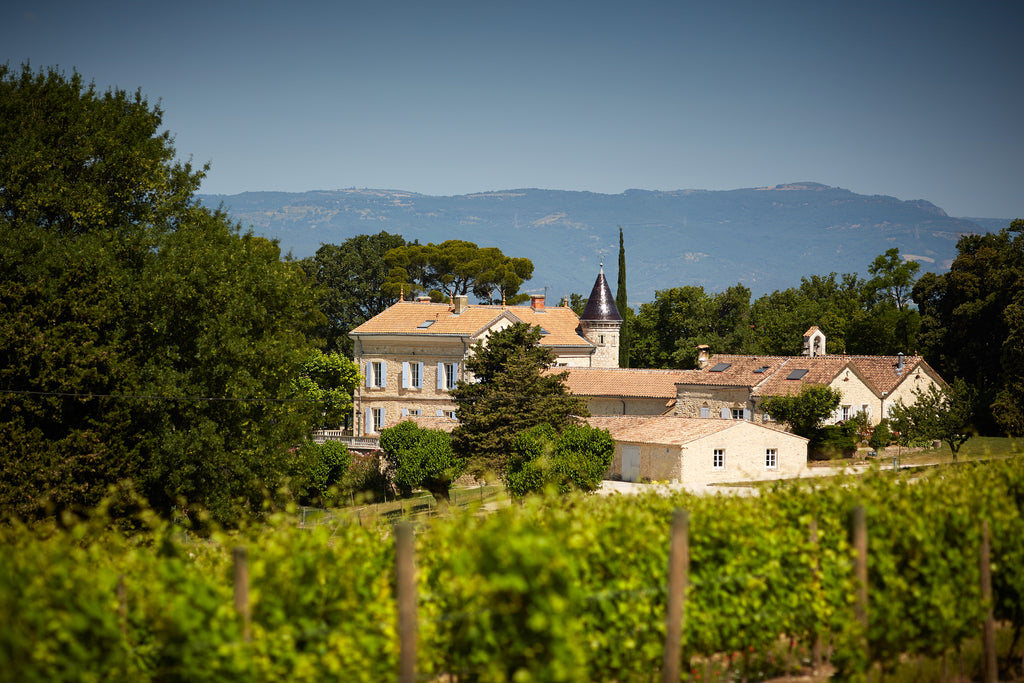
(661, 429)
(406, 317)
(741, 371)
(625, 382)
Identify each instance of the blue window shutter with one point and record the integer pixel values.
(746, 413)
(705, 411)
(419, 380)
(405, 374)
(405, 412)
(369, 421)
(383, 373)
(383, 419)
(440, 375)
(726, 413)
(440, 413)
(369, 374)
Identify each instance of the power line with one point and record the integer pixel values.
(150, 397)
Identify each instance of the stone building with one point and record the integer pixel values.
(413, 353)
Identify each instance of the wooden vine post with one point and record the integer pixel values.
(678, 568)
(859, 539)
(242, 591)
(990, 667)
(406, 573)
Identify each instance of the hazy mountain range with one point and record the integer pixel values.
(766, 238)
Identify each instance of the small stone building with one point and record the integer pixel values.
(695, 451)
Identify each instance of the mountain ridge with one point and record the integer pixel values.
(766, 238)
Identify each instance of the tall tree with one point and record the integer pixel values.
(350, 278)
(142, 338)
(510, 392)
(621, 304)
(457, 267)
(939, 413)
(972, 324)
(804, 412)
(418, 457)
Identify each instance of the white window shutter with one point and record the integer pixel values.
(419, 384)
(440, 375)
(369, 374)
(383, 419)
(383, 373)
(726, 413)
(405, 374)
(869, 413)
(369, 421)
(705, 411)
(405, 412)
(746, 414)
(440, 413)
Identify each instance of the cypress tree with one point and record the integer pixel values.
(620, 303)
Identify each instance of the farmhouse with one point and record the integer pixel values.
(413, 353)
(701, 451)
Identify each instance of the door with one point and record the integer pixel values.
(630, 463)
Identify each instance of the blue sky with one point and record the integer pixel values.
(919, 100)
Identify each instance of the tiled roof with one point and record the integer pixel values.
(406, 317)
(625, 382)
(741, 371)
(600, 304)
(662, 429)
(881, 371)
(820, 370)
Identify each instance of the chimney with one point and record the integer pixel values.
(461, 303)
(703, 354)
(537, 302)
(423, 299)
(899, 363)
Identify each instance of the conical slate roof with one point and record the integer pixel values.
(601, 304)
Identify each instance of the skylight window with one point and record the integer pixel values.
(721, 367)
(425, 324)
(797, 374)
(761, 370)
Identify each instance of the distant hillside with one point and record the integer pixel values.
(766, 238)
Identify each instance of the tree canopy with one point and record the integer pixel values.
(143, 339)
(574, 460)
(351, 280)
(328, 380)
(943, 413)
(972, 324)
(510, 392)
(457, 267)
(421, 458)
(804, 412)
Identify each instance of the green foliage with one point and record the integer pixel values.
(560, 589)
(328, 380)
(142, 338)
(574, 460)
(350, 284)
(366, 481)
(457, 267)
(511, 392)
(881, 435)
(319, 472)
(938, 413)
(972, 324)
(418, 457)
(804, 412)
(831, 442)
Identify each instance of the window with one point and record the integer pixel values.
(737, 413)
(416, 375)
(718, 459)
(721, 367)
(378, 374)
(771, 458)
(846, 413)
(450, 375)
(450, 413)
(378, 419)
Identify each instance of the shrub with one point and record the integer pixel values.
(881, 436)
(321, 470)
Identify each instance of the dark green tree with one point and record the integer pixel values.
(804, 412)
(621, 304)
(319, 472)
(421, 458)
(142, 338)
(972, 324)
(457, 267)
(350, 277)
(510, 392)
(943, 413)
(574, 460)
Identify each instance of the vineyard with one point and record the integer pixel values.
(566, 589)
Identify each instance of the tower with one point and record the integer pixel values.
(601, 324)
